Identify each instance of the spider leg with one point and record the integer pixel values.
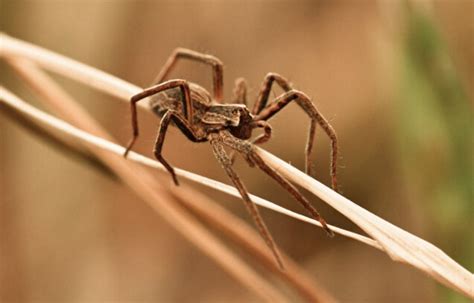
(316, 118)
(224, 160)
(240, 92)
(264, 93)
(248, 149)
(262, 101)
(160, 138)
(267, 132)
(188, 108)
(183, 53)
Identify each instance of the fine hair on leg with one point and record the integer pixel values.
(160, 138)
(224, 160)
(316, 118)
(247, 149)
(187, 103)
(184, 53)
(240, 92)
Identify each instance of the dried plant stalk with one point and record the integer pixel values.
(160, 199)
(62, 103)
(398, 244)
(247, 238)
(36, 79)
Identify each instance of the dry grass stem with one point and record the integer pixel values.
(398, 244)
(247, 238)
(111, 83)
(35, 78)
(215, 216)
(158, 197)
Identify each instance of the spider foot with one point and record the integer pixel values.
(326, 228)
(309, 169)
(173, 175)
(168, 167)
(129, 147)
(125, 154)
(175, 179)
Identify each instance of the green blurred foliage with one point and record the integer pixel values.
(435, 138)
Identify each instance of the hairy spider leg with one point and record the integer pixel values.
(264, 93)
(240, 92)
(215, 63)
(262, 101)
(267, 132)
(160, 138)
(316, 118)
(219, 152)
(188, 107)
(248, 150)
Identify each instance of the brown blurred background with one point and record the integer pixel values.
(394, 78)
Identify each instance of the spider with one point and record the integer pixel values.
(204, 118)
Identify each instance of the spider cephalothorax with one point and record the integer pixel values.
(204, 118)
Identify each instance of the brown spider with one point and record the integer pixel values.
(203, 118)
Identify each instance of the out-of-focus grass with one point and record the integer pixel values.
(435, 135)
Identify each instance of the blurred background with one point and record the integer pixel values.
(395, 79)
